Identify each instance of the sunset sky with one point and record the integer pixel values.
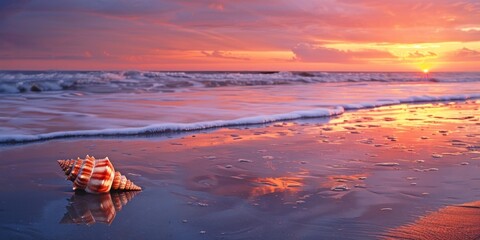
(322, 35)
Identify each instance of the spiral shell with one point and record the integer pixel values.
(95, 175)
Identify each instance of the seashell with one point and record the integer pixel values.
(95, 175)
(89, 209)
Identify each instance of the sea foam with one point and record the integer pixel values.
(174, 127)
(261, 119)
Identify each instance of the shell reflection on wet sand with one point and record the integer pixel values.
(88, 209)
(452, 222)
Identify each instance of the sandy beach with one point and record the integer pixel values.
(387, 172)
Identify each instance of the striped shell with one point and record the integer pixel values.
(95, 175)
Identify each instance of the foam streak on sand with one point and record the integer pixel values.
(174, 127)
(180, 127)
(413, 99)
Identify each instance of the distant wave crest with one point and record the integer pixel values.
(152, 81)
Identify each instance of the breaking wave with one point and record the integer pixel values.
(154, 81)
(262, 119)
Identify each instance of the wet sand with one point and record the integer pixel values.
(452, 222)
(374, 173)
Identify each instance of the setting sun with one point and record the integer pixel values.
(425, 71)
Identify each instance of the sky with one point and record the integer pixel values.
(181, 35)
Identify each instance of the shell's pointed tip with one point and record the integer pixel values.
(61, 162)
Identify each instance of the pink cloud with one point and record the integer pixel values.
(216, 6)
(414, 13)
(87, 54)
(311, 53)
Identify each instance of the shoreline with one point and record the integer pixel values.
(163, 128)
(359, 174)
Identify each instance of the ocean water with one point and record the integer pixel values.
(48, 105)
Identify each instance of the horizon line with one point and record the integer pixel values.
(252, 71)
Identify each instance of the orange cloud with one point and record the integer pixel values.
(418, 54)
(464, 55)
(224, 55)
